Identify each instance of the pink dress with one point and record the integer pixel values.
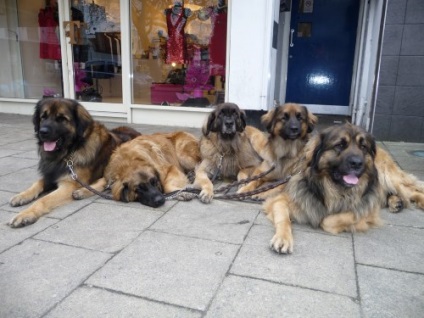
(175, 47)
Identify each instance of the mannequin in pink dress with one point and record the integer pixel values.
(176, 18)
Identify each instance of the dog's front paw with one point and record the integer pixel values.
(79, 194)
(206, 196)
(246, 188)
(395, 204)
(282, 244)
(23, 219)
(19, 200)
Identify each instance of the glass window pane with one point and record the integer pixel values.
(95, 34)
(29, 44)
(178, 51)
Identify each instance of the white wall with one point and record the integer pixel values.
(250, 45)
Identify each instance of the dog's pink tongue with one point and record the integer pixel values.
(49, 145)
(350, 179)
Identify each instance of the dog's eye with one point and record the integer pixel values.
(154, 182)
(43, 116)
(61, 119)
(341, 145)
(363, 147)
(142, 187)
(286, 116)
(299, 116)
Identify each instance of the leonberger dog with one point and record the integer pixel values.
(67, 137)
(336, 187)
(289, 128)
(148, 167)
(229, 148)
(400, 188)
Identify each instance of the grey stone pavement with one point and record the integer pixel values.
(97, 258)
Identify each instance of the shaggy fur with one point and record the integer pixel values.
(289, 127)
(228, 147)
(337, 187)
(400, 188)
(65, 132)
(148, 167)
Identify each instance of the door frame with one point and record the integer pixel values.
(365, 67)
(116, 111)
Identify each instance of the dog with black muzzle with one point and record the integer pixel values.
(148, 167)
(229, 148)
(66, 135)
(336, 188)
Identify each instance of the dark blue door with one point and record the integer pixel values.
(321, 52)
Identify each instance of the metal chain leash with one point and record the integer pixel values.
(245, 196)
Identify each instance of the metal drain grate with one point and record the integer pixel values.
(417, 153)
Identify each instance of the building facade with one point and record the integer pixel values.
(168, 62)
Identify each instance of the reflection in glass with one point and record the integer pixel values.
(95, 35)
(29, 45)
(179, 51)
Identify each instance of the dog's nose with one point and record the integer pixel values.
(355, 162)
(294, 129)
(158, 200)
(44, 131)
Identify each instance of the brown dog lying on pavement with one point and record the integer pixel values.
(148, 167)
(337, 187)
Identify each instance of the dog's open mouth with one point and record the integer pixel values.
(347, 179)
(51, 145)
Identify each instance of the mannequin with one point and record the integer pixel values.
(176, 18)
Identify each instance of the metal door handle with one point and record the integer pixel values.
(291, 37)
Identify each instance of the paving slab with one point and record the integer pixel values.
(136, 205)
(319, 261)
(36, 275)
(407, 217)
(101, 227)
(10, 237)
(94, 302)
(32, 154)
(390, 294)
(224, 221)
(394, 247)
(9, 164)
(28, 144)
(19, 181)
(245, 297)
(168, 268)
(4, 198)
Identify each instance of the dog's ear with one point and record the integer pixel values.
(36, 116)
(159, 183)
(241, 121)
(373, 146)
(124, 193)
(210, 124)
(313, 150)
(82, 118)
(269, 118)
(311, 119)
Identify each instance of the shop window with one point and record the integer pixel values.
(179, 51)
(30, 50)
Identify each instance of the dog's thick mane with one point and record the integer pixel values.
(230, 150)
(318, 196)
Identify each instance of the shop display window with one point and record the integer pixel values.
(178, 52)
(30, 47)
